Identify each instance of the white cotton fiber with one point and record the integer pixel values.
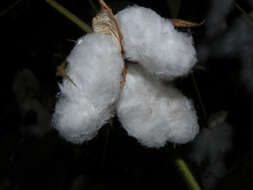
(155, 113)
(153, 42)
(95, 66)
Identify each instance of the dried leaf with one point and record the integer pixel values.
(124, 73)
(183, 23)
(61, 72)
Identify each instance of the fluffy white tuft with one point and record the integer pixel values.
(155, 113)
(154, 42)
(95, 66)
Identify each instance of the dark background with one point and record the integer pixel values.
(35, 36)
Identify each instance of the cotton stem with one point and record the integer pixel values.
(92, 4)
(70, 16)
(199, 97)
(186, 173)
(243, 11)
(10, 7)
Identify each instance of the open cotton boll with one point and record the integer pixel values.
(35, 116)
(95, 66)
(154, 42)
(155, 113)
(25, 85)
(212, 143)
(211, 176)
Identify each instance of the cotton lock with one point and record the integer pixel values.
(95, 66)
(155, 113)
(153, 42)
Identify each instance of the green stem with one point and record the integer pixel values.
(199, 97)
(185, 171)
(10, 7)
(243, 11)
(92, 4)
(70, 16)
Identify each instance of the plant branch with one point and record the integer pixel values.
(185, 171)
(199, 97)
(85, 27)
(243, 11)
(92, 4)
(10, 7)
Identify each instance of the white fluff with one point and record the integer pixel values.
(155, 113)
(153, 42)
(95, 66)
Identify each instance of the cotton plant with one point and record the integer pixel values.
(210, 148)
(101, 80)
(35, 115)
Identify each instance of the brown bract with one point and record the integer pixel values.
(61, 72)
(183, 23)
(106, 23)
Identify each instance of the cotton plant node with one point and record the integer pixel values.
(61, 72)
(106, 23)
(183, 23)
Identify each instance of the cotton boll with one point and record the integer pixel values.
(35, 116)
(85, 182)
(216, 18)
(154, 113)
(95, 66)
(210, 147)
(212, 143)
(213, 174)
(226, 44)
(25, 85)
(153, 42)
(38, 117)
